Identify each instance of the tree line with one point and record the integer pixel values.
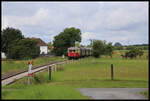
(16, 46)
(119, 46)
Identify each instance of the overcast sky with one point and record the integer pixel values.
(124, 22)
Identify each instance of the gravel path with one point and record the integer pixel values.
(113, 93)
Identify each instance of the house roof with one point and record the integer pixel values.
(40, 42)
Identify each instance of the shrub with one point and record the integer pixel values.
(134, 52)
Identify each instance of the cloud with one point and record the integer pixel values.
(112, 21)
(37, 19)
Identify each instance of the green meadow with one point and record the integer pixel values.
(85, 73)
(44, 91)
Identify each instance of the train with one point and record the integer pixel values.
(79, 52)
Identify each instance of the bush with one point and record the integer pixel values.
(95, 54)
(134, 52)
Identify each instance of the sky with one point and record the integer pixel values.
(123, 22)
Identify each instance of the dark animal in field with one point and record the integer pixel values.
(123, 56)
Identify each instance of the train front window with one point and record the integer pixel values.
(71, 50)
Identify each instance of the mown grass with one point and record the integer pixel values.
(16, 65)
(90, 73)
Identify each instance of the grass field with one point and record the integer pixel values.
(14, 65)
(86, 73)
(45, 91)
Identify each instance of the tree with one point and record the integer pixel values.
(109, 49)
(50, 46)
(118, 46)
(77, 44)
(66, 39)
(24, 49)
(134, 52)
(98, 48)
(9, 37)
(102, 48)
(131, 54)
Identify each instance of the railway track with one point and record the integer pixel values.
(14, 76)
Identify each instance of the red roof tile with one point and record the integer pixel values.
(40, 42)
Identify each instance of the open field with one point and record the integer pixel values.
(86, 73)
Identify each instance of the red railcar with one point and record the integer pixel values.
(73, 53)
(78, 52)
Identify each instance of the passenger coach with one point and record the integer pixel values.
(78, 52)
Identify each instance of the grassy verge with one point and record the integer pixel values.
(13, 66)
(145, 93)
(44, 91)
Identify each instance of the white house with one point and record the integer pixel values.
(3, 56)
(43, 46)
(43, 49)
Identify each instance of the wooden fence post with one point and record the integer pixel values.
(55, 68)
(50, 67)
(112, 72)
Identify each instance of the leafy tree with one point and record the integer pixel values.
(131, 54)
(134, 52)
(140, 52)
(50, 46)
(98, 48)
(77, 44)
(109, 49)
(101, 48)
(24, 49)
(66, 39)
(9, 37)
(118, 46)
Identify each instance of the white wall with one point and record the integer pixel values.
(3, 56)
(43, 49)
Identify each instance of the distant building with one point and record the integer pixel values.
(3, 56)
(43, 46)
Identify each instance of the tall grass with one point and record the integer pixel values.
(45, 91)
(100, 69)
